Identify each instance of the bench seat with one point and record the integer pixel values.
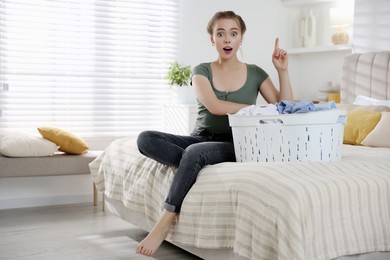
(58, 164)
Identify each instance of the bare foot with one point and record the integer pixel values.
(149, 245)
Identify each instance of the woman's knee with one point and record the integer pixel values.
(209, 153)
(145, 139)
(197, 153)
(192, 152)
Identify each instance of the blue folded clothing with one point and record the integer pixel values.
(304, 106)
(325, 106)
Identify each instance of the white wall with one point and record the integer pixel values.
(372, 25)
(309, 72)
(265, 21)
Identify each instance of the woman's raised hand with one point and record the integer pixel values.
(279, 57)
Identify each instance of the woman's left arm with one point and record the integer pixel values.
(268, 90)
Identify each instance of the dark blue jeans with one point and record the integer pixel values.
(189, 154)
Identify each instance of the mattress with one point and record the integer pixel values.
(272, 210)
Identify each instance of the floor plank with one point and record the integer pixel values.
(77, 231)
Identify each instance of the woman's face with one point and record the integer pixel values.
(227, 37)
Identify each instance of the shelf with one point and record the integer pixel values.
(300, 3)
(317, 49)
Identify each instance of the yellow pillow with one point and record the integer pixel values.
(67, 141)
(359, 124)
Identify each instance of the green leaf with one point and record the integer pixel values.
(178, 75)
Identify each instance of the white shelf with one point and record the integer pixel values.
(330, 48)
(300, 3)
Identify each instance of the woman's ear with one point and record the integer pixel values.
(212, 40)
(242, 40)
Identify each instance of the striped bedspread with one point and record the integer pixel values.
(263, 210)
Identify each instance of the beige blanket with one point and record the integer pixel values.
(263, 210)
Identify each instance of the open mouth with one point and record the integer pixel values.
(227, 49)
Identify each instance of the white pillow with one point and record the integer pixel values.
(19, 144)
(380, 135)
(364, 100)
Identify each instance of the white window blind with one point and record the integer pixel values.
(94, 67)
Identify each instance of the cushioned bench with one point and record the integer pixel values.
(58, 164)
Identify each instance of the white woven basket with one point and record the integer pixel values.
(314, 136)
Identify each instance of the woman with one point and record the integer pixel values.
(223, 86)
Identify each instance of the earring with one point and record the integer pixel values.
(213, 44)
(240, 43)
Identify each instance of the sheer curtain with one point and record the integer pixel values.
(94, 67)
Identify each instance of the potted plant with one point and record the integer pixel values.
(178, 75)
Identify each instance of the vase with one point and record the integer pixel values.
(310, 30)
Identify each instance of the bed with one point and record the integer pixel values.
(303, 210)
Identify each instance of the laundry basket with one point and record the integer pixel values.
(313, 136)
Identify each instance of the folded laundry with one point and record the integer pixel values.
(291, 107)
(304, 106)
(286, 107)
(325, 106)
(254, 110)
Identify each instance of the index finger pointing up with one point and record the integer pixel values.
(277, 43)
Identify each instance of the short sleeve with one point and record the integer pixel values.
(261, 75)
(201, 69)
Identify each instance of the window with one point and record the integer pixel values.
(94, 67)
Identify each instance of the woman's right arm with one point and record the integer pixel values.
(205, 94)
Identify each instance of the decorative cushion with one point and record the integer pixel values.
(19, 144)
(359, 124)
(67, 141)
(364, 100)
(363, 107)
(380, 135)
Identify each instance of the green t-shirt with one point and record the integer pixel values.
(247, 94)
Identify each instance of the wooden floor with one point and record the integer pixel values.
(77, 231)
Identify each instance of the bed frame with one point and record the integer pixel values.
(363, 74)
(366, 74)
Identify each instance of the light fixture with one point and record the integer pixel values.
(339, 19)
